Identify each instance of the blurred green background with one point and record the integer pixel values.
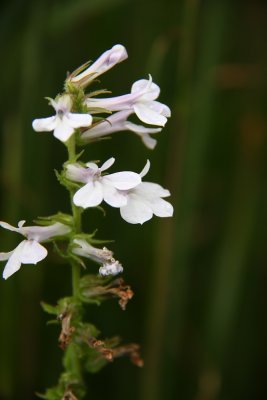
(199, 309)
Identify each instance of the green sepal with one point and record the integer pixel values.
(98, 92)
(87, 330)
(49, 309)
(97, 110)
(64, 181)
(63, 218)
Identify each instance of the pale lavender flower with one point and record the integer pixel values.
(97, 187)
(29, 251)
(140, 101)
(64, 122)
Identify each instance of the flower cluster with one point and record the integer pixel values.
(141, 101)
(81, 117)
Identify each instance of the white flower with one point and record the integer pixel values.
(29, 251)
(118, 122)
(64, 122)
(97, 187)
(110, 266)
(140, 101)
(145, 200)
(105, 62)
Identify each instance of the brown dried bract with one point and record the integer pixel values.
(119, 289)
(66, 330)
(99, 345)
(132, 350)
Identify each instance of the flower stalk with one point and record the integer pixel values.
(79, 120)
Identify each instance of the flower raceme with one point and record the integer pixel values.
(138, 201)
(29, 251)
(64, 122)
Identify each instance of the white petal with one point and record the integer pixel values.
(149, 142)
(107, 164)
(149, 116)
(136, 211)
(143, 132)
(113, 197)
(140, 129)
(5, 225)
(79, 120)
(160, 108)
(123, 180)
(92, 166)
(32, 252)
(151, 190)
(14, 263)
(21, 223)
(45, 124)
(63, 130)
(150, 90)
(162, 208)
(27, 252)
(90, 195)
(145, 169)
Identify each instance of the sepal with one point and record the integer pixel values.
(63, 218)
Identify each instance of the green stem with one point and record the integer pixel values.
(76, 268)
(76, 212)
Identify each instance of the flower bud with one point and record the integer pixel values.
(105, 62)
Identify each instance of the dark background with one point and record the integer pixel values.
(199, 309)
